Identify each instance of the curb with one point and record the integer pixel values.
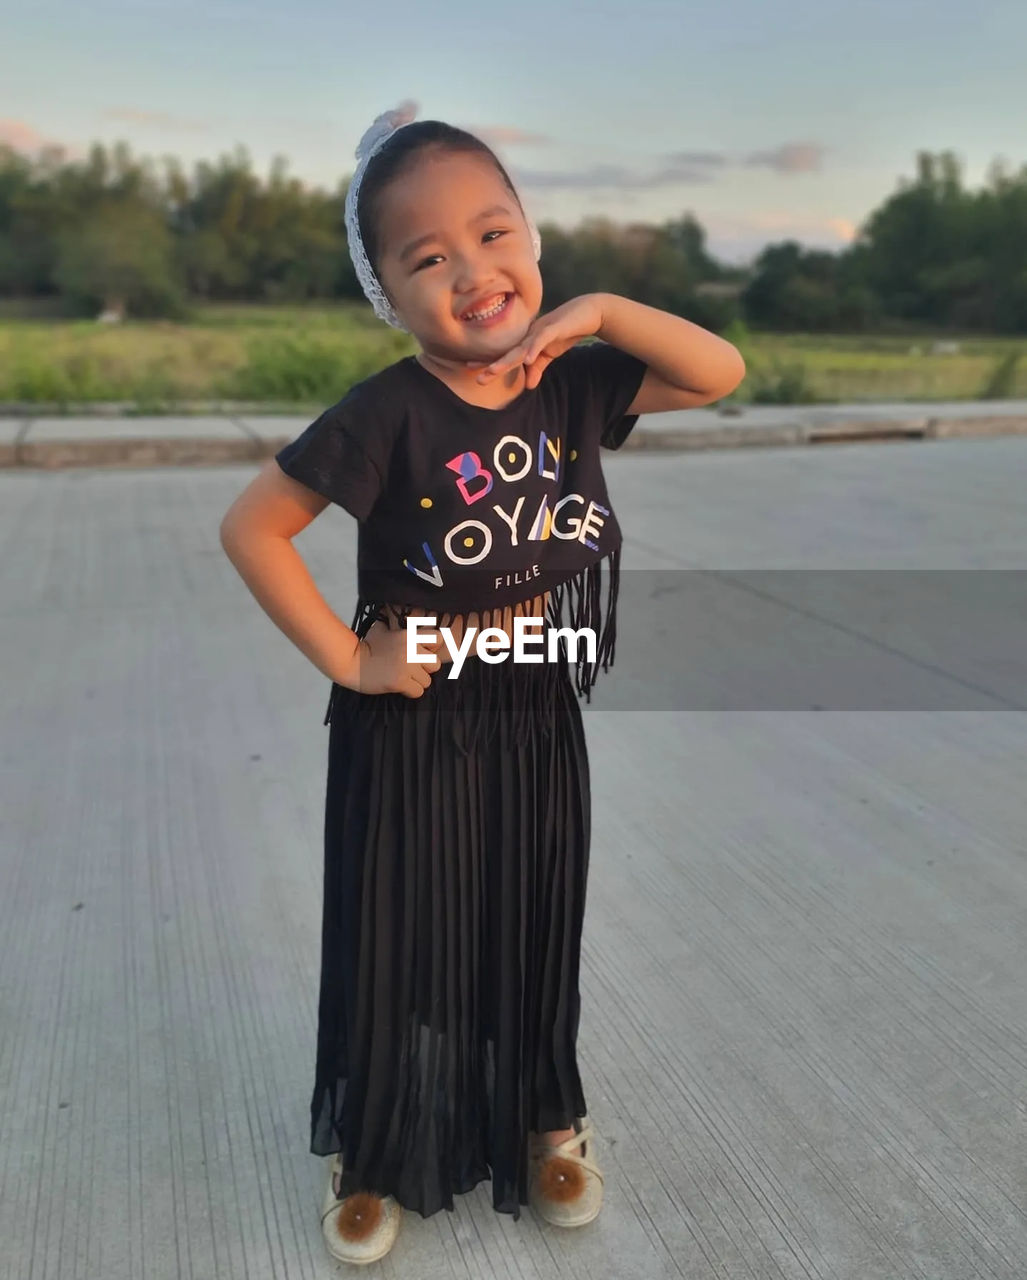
(858, 430)
(57, 455)
(28, 409)
(200, 451)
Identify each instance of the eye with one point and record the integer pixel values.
(425, 261)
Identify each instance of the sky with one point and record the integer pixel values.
(765, 121)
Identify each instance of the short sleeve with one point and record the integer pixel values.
(342, 456)
(609, 379)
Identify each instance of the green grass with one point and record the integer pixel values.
(815, 368)
(294, 355)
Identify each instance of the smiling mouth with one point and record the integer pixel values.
(497, 309)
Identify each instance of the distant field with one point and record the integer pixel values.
(832, 368)
(282, 356)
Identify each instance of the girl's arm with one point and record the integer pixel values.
(688, 365)
(256, 534)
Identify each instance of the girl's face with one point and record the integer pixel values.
(454, 241)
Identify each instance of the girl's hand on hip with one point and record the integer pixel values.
(380, 663)
(548, 336)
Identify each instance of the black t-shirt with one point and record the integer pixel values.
(462, 507)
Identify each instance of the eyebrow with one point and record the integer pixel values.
(434, 235)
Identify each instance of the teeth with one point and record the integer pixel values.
(483, 315)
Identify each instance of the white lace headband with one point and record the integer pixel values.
(373, 140)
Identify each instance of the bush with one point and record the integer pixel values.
(738, 334)
(301, 367)
(780, 384)
(1001, 383)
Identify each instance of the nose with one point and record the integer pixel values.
(473, 273)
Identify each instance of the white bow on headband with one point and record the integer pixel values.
(373, 140)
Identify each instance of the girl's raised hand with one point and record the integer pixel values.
(548, 336)
(381, 662)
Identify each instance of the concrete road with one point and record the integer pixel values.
(804, 1024)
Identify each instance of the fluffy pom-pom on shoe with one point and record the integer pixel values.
(560, 1180)
(566, 1185)
(359, 1216)
(361, 1227)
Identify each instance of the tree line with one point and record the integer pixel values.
(147, 239)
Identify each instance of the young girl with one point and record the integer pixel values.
(457, 817)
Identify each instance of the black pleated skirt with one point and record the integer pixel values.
(457, 831)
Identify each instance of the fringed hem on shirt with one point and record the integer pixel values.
(524, 690)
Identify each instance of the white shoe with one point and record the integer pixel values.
(361, 1227)
(566, 1187)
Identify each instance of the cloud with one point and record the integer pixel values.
(598, 177)
(783, 222)
(21, 137)
(680, 168)
(844, 228)
(501, 135)
(610, 177)
(791, 157)
(677, 174)
(698, 159)
(153, 119)
(740, 238)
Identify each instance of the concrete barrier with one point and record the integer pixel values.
(57, 443)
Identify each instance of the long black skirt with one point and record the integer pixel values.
(457, 831)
